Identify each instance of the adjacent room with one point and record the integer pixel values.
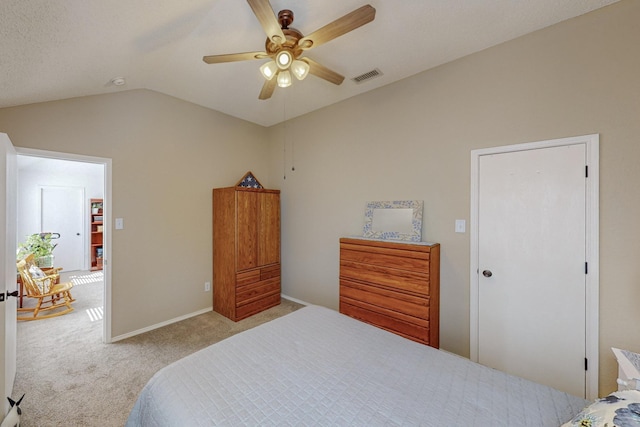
(404, 104)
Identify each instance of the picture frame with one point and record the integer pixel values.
(394, 220)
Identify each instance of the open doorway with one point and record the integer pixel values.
(45, 179)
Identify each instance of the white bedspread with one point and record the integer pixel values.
(318, 367)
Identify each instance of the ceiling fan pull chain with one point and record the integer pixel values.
(284, 137)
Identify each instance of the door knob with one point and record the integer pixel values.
(487, 273)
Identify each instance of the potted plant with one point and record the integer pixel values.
(40, 246)
(95, 208)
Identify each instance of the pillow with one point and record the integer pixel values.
(621, 408)
(38, 275)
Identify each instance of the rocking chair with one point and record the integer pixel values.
(52, 298)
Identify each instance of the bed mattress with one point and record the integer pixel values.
(316, 366)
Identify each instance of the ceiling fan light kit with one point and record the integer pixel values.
(285, 46)
(269, 70)
(284, 59)
(284, 78)
(300, 69)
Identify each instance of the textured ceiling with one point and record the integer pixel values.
(52, 50)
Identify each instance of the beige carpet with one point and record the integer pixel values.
(72, 379)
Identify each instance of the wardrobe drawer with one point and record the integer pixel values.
(247, 277)
(267, 301)
(257, 274)
(270, 271)
(249, 293)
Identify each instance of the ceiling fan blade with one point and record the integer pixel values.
(233, 57)
(267, 88)
(340, 26)
(263, 11)
(323, 72)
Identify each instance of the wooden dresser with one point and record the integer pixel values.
(246, 251)
(392, 285)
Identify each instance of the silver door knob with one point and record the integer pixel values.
(487, 273)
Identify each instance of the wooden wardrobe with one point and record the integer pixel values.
(392, 285)
(246, 250)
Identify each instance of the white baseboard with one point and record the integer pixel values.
(160, 325)
(299, 301)
(186, 316)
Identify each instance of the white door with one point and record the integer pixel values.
(531, 262)
(62, 212)
(8, 197)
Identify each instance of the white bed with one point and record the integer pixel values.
(318, 367)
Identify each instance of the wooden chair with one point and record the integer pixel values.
(52, 298)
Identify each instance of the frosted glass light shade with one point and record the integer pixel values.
(269, 70)
(284, 78)
(300, 69)
(283, 59)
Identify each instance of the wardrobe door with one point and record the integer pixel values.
(268, 228)
(247, 229)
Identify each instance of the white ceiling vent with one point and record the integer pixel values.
(367, 76)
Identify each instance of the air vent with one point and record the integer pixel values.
(367, 76)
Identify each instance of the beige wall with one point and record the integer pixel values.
(167, 156)
(409, 140)
(412, 140)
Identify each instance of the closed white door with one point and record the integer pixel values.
(62, 212)
(8, 213)
(531, 259)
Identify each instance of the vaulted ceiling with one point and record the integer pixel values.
(51, 50)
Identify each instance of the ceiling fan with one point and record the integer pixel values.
(285, 46)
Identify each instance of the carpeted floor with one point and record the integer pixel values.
(72, 379)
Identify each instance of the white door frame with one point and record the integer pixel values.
(592, 246)
(106, 162)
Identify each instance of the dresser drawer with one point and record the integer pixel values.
(404, 280)
(401, 259)
(364, 312)
(386, 301)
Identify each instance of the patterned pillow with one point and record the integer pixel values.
(621, 409)
(38, 274)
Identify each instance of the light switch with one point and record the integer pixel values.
(119, 223)
(461, 225)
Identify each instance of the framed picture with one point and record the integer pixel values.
(394, 220)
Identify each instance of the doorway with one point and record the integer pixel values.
(42, 170)
(534, 262)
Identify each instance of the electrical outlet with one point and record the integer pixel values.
(207, 286)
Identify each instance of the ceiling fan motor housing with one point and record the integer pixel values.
(291, 43)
